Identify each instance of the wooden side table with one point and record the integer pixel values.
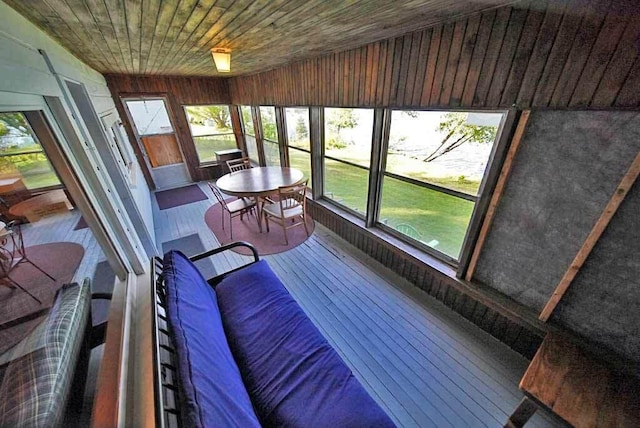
(572, 384)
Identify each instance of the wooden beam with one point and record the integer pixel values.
(497, 193)
(595, 234)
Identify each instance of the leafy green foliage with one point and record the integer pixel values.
(219, 114)
(458, 132)
(268, 118)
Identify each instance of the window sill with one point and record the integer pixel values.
(416, 253)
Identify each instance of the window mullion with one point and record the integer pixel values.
(316, 135)
(283, 143)
(379, 144)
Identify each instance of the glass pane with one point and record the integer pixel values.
(346, 184)
(301, 160)
(252, 148)
(449, 149)
(268, 118)
(298, 127)
(22, 160)
(271, 153)
(247, 120)
(209, 145)
(347, 134)
(209, 120)
(431, 217)
(150, 117)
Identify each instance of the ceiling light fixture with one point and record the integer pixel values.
(222, 59)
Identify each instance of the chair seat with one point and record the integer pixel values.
(275, 210)
(239, 205)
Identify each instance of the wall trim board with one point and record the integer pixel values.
(497, 193)
(592, 239)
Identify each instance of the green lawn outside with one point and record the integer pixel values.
(302, 161)
(208, 146)
(35, 169)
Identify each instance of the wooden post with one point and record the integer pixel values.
(589, 243)
(497, 194)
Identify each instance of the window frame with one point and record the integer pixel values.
(285, 141)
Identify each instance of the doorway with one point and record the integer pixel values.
(158, 141)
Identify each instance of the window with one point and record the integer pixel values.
(22, 158)
(249, 134)
(435, 163)
(270, 136)
(211, 130)
(299, 144)
(347, 150)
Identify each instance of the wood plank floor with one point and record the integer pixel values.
(423, 363)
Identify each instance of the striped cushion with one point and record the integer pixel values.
(37, 381)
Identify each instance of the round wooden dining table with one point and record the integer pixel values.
(258, 182)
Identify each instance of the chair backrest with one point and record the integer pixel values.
(239, 164)
(292, 197)
(218, 195)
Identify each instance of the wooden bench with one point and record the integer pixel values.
(583, 391)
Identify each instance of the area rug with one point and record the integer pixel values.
(60, 260)
(81, 224)
(175, 197)
(191, 245)
(247, 230)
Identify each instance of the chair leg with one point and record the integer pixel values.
(231, 226)
(286, 239)
(39, 268)
(304, 222)
(24, 289)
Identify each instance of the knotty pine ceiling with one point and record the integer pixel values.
(174, 37)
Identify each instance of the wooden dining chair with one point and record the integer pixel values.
(239, 207)
(239, 164)
(290, 210)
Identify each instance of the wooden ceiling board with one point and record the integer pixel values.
(174, 37)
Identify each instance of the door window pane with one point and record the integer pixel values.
(271, 153)
(247, 120)
(150, 117)
(211, 130)
(300, 159)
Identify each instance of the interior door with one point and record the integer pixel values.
(158, 140)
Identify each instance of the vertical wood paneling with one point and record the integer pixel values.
(601, 53)
(466, 53)
(522, 57)
(430, 71)
(441, 64)
(506, 56)
(423, 55)
(584, 40)
(452, 62)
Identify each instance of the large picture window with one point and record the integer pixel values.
(270, 136)
(435, 163)
(211, 130)
(299, 143)
(249, 134)
(347, 151)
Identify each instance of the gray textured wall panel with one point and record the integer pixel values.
(603, 302)
(568, 165)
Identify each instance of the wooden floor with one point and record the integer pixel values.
(423, 363)
(59, 228)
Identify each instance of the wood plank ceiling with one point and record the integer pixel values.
(174, 37)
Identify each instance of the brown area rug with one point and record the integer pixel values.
(60, 260)
(247, 230)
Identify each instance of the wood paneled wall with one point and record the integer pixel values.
(547, 54)
(180, 91)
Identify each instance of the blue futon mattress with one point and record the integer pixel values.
(293, 376)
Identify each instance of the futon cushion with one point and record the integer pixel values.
(37, 381)
(212, 391)
(294, 377)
